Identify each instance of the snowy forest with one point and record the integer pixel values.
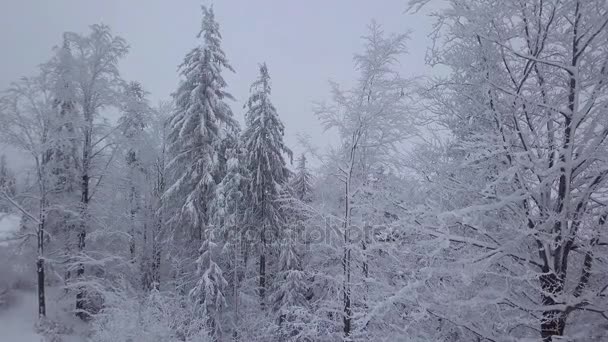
(465, 206)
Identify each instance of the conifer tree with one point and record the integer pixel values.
(208, 293)
(227, 220)
(197, 131)
(289, 301)
(263, 142)
(197, 127)
(301, 183)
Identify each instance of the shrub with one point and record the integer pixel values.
(156, 318)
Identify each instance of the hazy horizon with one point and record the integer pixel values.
(306, 45)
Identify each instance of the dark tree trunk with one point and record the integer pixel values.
(41, 295)
(151, 280)
(81, 294)
(553, 325)
(156, 254)
(132, 214)
(40, 268)
(263, 253)
(553, 321)
(346, 290)
(346, 262)
(263, 271)
(157, 230)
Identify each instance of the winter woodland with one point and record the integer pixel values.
(470, 206)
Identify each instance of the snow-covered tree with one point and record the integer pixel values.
(521, 228)
(301, 183)
(471, 209)
(8, 182)
(208, 293)
(291, 286)
(62, 153)
(64, 122)
(136, 116)
(371, 120)
(158, 232)
(201, 122)
(264, 148)
(197, 127)
(228, 221)
(97, 84)
(26, 111)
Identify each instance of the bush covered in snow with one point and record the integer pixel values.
(53, 330)
(156, 318)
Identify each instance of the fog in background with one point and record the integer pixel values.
(305, 43)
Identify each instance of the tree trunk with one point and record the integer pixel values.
(263, 271)
(157, 230)
(41, 295)
(80, 296)
(553, 325)
(40, 265)
(263, 253)
(156, 254)
(84, 202)
(346, 262)
(346, 290)
(235, 334)
(553, 321)
(132, 230)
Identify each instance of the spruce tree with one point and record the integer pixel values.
(289, 301)
(290, 285)
(197, 127)
(263, 142)
(301, 183)
(208, 293)
(227, 218)
(197, 131)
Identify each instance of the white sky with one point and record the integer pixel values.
(304, 42)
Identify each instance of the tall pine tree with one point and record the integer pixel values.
(301, 184)
(263, 142)
(197, 132)
(197, 127)
(290, 287)
(227, 218)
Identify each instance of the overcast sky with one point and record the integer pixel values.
(304, 43)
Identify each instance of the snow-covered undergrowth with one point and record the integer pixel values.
(157, 318)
